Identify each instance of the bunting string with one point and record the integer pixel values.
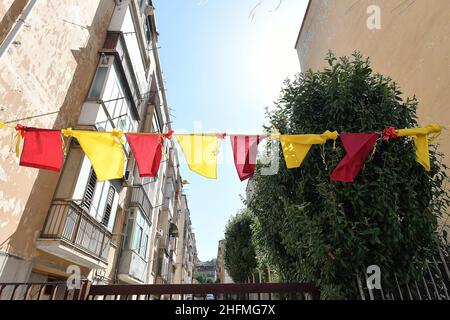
(45, 149)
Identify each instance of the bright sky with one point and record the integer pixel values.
(222, 67)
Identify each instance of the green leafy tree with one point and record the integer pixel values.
(203, 278)
(240, 257)
(312, 229)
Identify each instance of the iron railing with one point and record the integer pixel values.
(87, 291)
(433, 285)
(43, 291)
(266, 291)
(68, 222)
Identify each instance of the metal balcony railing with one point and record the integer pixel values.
(68, 222)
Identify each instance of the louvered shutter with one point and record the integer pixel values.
(108, 206)
(90, 190)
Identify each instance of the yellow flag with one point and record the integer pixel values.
(104, 150)
(201, 153)
(296, 147)
(2, 125)
(420, 136)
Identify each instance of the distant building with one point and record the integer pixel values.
(186, 253)
(221, 271)
(207, 268)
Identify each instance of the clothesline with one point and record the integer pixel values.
(42, 148)
(206, 134)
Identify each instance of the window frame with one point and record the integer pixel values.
(103, 86)
(140, 236)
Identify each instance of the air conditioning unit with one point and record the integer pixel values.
(159, 233)
(128, 179)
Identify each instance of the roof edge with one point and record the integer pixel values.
(303, 23)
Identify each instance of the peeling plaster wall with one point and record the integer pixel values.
(10, 11)
(412, 46)
(49, 71)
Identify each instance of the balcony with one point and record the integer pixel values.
(133, 268)
(72, 234)
(115, 45)
(162, 265)
(139, 198)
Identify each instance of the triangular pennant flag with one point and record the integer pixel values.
(420, 136)
(147, 150)
(358, 146)
(296, 147)
(104, 150)
(200, 152)
(245, 149)
(42, 148)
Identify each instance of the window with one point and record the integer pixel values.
(159, 117)
(99, 82)
(118, 105)
(148, 33)
(156, 261)
(138, 238)
(165, 267)
(156, 127)
(141, 236)
(144, 246)
(142, 5)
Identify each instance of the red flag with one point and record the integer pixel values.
(42, 148)
(358, 146)
(147, 149)
(245, 149)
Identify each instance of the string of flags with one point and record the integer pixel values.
(43, 149)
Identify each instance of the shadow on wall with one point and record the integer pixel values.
(11, 17)
(22, 242)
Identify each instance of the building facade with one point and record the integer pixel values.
(208, 269)
(221, 271)
(90, 65)
(406, 40)
(186, 251)
(412, 45)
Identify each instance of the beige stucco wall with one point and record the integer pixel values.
(412, 46)
(49, 71)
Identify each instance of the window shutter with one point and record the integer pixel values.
(90, 190)
(108, 206)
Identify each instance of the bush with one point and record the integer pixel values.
(316, 230)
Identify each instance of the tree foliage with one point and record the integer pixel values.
(240, 259)
(203, 278)
(311, 229)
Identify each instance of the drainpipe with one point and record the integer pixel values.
(15, 30)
